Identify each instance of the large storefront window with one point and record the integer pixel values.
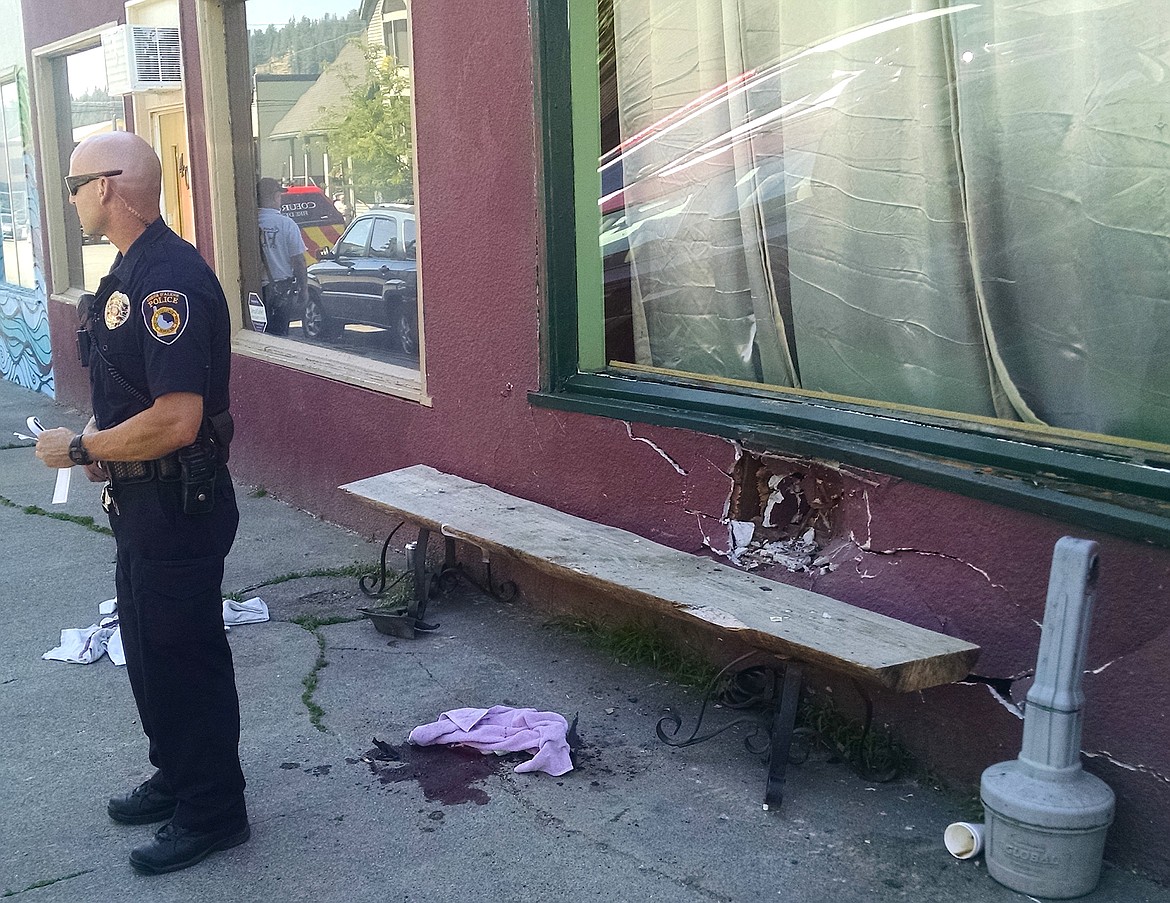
(91, 111)
(332, 115)
(955, 209)
(925, 238)
(14, 199)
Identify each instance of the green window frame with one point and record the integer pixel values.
(1121, 488)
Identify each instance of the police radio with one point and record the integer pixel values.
(198, 466)
(84, 313)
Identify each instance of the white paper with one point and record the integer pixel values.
(61, 488)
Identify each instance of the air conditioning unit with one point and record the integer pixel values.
(142, 58)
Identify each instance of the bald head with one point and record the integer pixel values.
(122, 206)
(140, 183)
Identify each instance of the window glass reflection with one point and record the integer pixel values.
(355, 240)
(17, 259)
(92, 111)
(956, 207)
(332, 115)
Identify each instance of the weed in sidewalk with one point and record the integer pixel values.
(48, 882)
(350, 570)
(309, 682)
(80, 519)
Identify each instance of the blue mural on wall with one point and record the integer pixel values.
(25, 354)
(25, 351)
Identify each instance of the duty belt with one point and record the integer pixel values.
(165, 468)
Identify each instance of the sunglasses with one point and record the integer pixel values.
(74, 183)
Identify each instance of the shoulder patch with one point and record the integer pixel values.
(165, 314)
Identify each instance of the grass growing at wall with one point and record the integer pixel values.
(877, 754)
(634, 644)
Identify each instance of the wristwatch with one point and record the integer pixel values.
(77, 452)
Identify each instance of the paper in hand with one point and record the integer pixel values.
(61, 487)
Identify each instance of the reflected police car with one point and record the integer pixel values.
(369, 277)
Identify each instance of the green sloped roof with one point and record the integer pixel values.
(312, 113)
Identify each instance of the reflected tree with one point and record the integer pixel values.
(371, 128)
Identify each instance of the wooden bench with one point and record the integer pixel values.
(785, 621)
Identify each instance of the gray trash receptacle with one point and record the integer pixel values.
(1045, 817)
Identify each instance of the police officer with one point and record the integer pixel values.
(156, 340)
(284, 283)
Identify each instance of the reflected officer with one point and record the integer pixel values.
(156, 340)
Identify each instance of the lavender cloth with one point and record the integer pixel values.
(502, 729)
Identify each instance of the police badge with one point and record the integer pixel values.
(165, 314)
(117, 310)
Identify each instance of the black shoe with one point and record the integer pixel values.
(142, 805)
(174, 848)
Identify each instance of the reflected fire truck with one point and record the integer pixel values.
(320, 221)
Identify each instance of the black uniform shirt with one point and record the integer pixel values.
(159, 324)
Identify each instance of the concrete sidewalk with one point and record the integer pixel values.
(636, 821)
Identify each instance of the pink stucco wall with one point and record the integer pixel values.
(970, 568)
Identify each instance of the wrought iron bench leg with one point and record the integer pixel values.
(783, 725)
(417, 607)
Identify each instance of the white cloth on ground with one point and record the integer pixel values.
(85, 645)
(82, 645)
(114, 646)
(503, 729)
(251, 611)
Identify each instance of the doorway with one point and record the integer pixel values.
(170, 135)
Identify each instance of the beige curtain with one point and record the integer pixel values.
(703, 298)
(1064, 123)
(958, 206)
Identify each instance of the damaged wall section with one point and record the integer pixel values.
(977, 571)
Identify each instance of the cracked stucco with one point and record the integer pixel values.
(669, 460)
(1005, 612)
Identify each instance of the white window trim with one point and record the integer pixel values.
(52, 186)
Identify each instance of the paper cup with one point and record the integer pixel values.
(963, 839)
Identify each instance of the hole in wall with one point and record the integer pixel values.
(792, 508)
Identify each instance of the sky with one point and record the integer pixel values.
(87, 71)
(262, 13)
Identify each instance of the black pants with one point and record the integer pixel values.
(170, 608)
(278, 304)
